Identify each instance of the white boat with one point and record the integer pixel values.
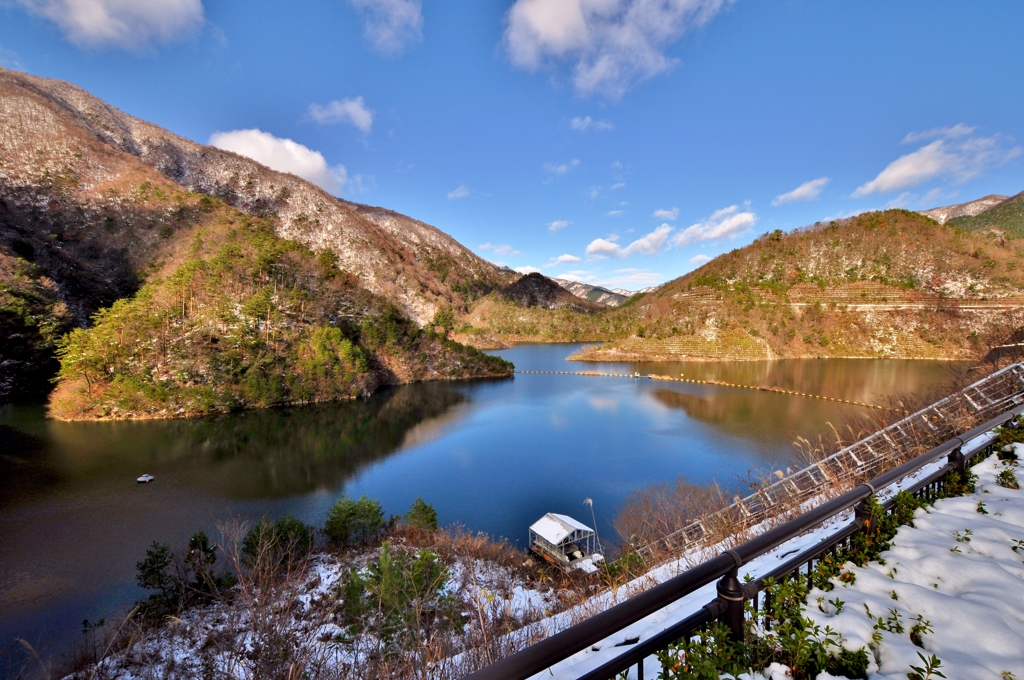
(145, 479)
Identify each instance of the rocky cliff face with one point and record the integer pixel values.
(96, 205)
(970, 209)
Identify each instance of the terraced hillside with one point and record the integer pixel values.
(883, 284)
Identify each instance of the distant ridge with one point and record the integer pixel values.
(1006, 217)
(970, 209)
(537, 290)
(609, 297)
(595, 294)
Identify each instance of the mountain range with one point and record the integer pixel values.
(158, 277)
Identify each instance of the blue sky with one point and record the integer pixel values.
(618, 142)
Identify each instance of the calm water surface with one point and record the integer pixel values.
(492, 455)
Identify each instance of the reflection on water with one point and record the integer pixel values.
(251, 455)
(493, 455)
(782, 418)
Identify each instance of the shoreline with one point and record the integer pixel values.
(177, 415)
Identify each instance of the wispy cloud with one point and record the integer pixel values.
(698, 260)
(663, 214)
(558, 225)
(612, 44)
(632, 279)
(958, 130)
(352, 111)
(617, 185)
(391, 26)
(808, 191)
(283, 155)
(722, 223)
(649, 244)
(458, 192)
(587, 123)
(562, 168)
(9, 59)
(954, 156)
(578, 275)
(561, 259)
(614, 213)
(120, 23)
(500, 249)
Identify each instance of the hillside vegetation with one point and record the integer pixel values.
(199, 280)
(892, 284)
(247, 319)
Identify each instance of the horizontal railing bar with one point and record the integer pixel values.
(578, 637)
(559, 646)
(642, 650)
(817, 550)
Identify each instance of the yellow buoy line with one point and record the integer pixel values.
(719, 383)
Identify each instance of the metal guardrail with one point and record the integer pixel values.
(728, 607)
(986, 397)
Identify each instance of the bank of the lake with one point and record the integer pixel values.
(492, 455)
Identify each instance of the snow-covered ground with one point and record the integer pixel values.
(1008, 504)
(956, 568)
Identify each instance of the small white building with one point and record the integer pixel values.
(566, 543)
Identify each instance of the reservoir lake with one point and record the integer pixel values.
(492, 455)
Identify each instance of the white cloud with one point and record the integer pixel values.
(558, 224)
(613, 43)
(500, 250)
(808, 191)
(618, 185)
(587, 123)
(725, 222)
(954, 156)
(391, 25)
(579, 276)
(352, 111)
(527, 270)
(283, 155)
(698, 260)
(649, 244)
(663, 214)
(614, 213)
(460, 191)
(561, 259)
(562, 168)
(593, 192)
(125, 24)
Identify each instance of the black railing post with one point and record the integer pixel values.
(862, 513)
(731, 591)
(958, 460)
